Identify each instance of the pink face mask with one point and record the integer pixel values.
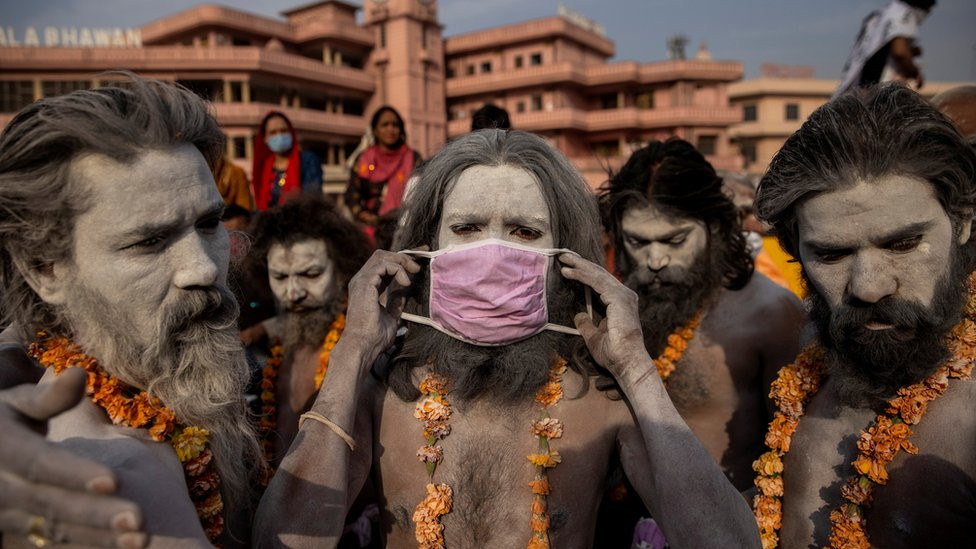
(489, 292)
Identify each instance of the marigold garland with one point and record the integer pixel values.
(677, 344)
(128, 406)
(545, 429)
(877, 445)
(269, 381)
(434, 410)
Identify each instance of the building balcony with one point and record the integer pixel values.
(610, 120)
(596, 75)
(307, 122)
(755, 130)
(180, 61)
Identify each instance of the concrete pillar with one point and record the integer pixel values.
(228, 91)
(296, 101)
(38, 89)
(327, 55)
(212, 39)
(342, 155)
(339, 109)
(621, 100)
(284, 98)
(331, 155)
(249, 148)
(338, 58)
(246, 91)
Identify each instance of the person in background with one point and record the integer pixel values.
(886, 39)
(492, 117)
(959, 104)
(379, 174)
(281, 168)
(233, 185)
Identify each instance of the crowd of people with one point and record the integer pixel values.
(440, 358)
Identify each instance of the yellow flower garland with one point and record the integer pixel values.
(677, 344)
(128, 406)
(877, 445)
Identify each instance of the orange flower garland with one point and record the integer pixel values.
(677, 344)
(126, 405)
(269, 380)
(434, 410)
(545, 429)
(877, 445)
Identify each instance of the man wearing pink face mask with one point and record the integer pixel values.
(494, 425)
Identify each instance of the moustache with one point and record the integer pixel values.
(214, 307)
(860, 323)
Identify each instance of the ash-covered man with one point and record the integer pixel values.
(874, 443)
(114, 260)
(718, 330)
(488, 429)
(308, 252)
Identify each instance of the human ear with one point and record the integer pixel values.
(48, 280)
(965, 226)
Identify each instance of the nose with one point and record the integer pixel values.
(196, 262)
(657, 257)
(294, 292)
(871, 279)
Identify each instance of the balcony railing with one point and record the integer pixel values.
(305, 120)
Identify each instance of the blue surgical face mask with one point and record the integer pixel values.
(280, 143)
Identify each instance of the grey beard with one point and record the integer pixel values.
(308, 328)
(195, 365)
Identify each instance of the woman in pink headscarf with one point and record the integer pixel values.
(379, 175)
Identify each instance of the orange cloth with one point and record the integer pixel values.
(787, 266)
(233, 185)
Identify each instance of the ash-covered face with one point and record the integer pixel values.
(302, 275)
(663, 248)
(502, 202)
(887, 280)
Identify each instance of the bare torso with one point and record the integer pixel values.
(485, 464)
(720, 385)
(930, 498)
(295, 391)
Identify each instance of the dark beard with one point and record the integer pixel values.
(503, 374)
(672, 304)
(870, 366)
(308, 328)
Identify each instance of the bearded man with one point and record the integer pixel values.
(719, 331)
(308, 252)
(114, 260)
(873, 440)
(487, 375)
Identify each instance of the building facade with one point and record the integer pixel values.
(775, 105)
(327, 67)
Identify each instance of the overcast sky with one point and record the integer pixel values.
(800, 32)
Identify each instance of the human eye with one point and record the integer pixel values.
(150, 243)
(312, 274)
(209, 223)
(677, 240)
(527, 233)
(634, 241)
(464, 228)
(831, 256)
(905, 245)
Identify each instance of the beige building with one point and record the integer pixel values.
(553, 77)
(772, 107)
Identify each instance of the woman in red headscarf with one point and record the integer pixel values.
(379, 175)
(280, 168)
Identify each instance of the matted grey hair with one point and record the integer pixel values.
(38, 202)
(573, 213)
(886, 130)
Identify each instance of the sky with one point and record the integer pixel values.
(818, 33)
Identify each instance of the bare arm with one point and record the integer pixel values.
(902, 55)
(307, 500)
(685, 490)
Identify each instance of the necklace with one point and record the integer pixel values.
(269, 377)
(434, 411)
(877, 445)
(677, 344)
(128, 406)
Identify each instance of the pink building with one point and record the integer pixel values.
(328, 70)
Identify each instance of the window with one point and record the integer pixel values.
(382, 35)
(240, 147)
(486, 67)
(520, 106)
(748, 113)
(792, 111)
(518, 61)
(15, 95)
(707, 144)
(748, 151)
(450, 72)
(469, 70)
(423, 36)
(608, 101)
(535, 59)
(644, 100)
(54, 88)
(606, 148)
(537, 102)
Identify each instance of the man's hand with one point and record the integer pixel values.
(47, 493)
(369, 322)
(617, 342)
